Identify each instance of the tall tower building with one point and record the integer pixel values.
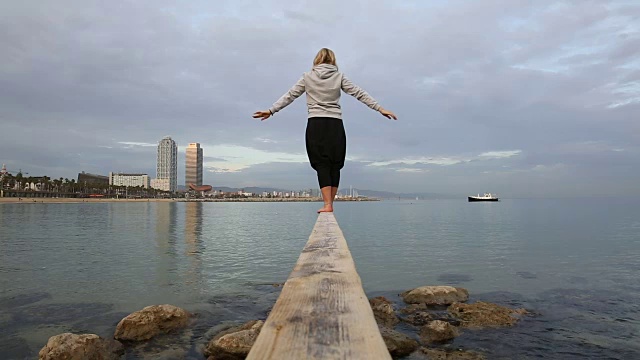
(193, 169)
(167, 166)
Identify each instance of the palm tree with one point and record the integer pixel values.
(6, 180)
(19, 178)
(45, 182)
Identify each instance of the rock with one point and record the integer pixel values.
(418, 319)
(413, 308)
(151, 321)
(383, 311)
(438, 331)
(70, 346)
(440, 354)
(483, 314)
(435, 295)
(234, 343)
(397, 343)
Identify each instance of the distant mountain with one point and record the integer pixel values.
(394, 195)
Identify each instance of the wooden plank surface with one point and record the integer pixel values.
(322, 311)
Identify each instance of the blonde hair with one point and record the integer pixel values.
(325, 56)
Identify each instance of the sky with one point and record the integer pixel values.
(517, 97)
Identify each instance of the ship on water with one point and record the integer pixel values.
(485, 197)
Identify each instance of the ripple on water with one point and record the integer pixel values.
(10, 302)
(15, 347)
(454, 279)
(527, 275)
(59, 313)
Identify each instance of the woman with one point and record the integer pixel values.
(326, 141)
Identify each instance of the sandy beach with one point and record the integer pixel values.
(12, 200)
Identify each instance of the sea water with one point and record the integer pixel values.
(573, 263)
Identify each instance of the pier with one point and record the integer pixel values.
(322, 311)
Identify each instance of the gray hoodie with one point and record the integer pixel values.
(322, 85)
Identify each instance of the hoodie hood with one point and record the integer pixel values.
(323, 85)
(325, 71)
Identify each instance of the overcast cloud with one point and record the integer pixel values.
(523, 98)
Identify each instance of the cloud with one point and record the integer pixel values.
(500, 154)
(477, 86)
(447, 160)
(130, 144)
(410, 170)
(424, 161)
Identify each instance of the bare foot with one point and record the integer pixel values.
(326, 208)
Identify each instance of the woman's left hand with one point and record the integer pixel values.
(262, 115)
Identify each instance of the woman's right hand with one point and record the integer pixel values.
(262, 115)
(388, 114)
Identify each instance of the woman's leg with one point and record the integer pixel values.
(317, 149)
(325, 181)
(328, 200)
(335, 183)
(339, 152)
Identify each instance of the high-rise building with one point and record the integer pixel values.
(193, 169)
(167, 165)
(160, 184)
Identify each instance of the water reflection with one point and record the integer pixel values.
(193, 228)
(179, 245)
(165, 242)
(193, 240)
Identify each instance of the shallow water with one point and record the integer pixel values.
(82, 267)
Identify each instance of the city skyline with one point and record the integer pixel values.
(515, 97)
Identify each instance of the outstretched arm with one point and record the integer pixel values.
(358, 93)
(286, 99)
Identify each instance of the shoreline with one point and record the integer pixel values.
(30, 200)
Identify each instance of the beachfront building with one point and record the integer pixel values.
(129, 180)
(167, 165)
(86, 178)
(193, 165)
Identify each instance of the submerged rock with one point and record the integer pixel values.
(441, 354)
(483, 314)
(398, 343)
(70, 346)
(234, 343)
(383, 311)
(438, 331)
(412, 308)
(435, 295)
(419, 318)
(151, 321)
